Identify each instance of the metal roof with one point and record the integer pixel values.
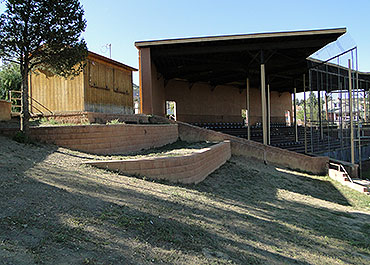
(240, 37)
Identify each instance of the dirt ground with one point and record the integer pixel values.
(53, 210)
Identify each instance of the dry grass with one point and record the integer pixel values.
(54, 211)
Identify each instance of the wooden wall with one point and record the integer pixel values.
(108, 88)
(102, 87)
(52, 94)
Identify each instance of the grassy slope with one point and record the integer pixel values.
(54, 211)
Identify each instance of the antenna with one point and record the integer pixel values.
(107, 47)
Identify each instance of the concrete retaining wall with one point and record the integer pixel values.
(192, 168)
(269, 154)
(355, 184)
(5, 110)
(107, 139)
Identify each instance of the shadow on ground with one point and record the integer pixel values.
(54, 211)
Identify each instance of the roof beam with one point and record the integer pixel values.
(178, 51)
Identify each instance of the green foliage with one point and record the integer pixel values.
(45, 35)
(21, 137)
(115, 121)
(10, 79)
(312, 108)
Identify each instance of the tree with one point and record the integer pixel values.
(42, 34)
(311, 105)
(10, 79)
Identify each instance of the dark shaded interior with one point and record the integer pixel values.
(230, 60)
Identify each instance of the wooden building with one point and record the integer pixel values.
(104, 86)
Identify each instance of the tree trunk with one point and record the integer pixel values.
(25, 113)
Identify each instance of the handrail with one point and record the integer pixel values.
(31, 99)
(341, 167)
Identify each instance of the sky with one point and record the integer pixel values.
(122, 22)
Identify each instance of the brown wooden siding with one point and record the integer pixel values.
(102, 87)
(108, 87)
(51, 93)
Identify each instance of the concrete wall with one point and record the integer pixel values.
(192, 168)
(269, 154)
(359, 185)
(107, 139)
(200, 102)
(5, 110)
(158, 93)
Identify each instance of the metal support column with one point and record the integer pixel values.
(248, 115)
(319, 84)
(295, 114)
(305, 119)
(263, 103)
(268, 115)
(311, 110)
(350, 111)
(365, 110)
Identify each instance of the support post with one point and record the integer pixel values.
(305, 119)
(311, 111)
(263, 103)
(319, 103)
(145, 81)
(350, 111)
(268, 115)
(248, 115)
(365, 109)
(366, 93)
(295, 114)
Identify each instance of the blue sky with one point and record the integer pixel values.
(121, 23)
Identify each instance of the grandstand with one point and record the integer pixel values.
(213, 80)
(281, 136)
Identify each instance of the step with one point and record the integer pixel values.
(15, 114)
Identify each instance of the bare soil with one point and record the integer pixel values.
(53, 210)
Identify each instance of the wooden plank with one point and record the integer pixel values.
(109, 77)
(101, 76)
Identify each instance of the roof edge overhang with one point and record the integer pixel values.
(142, 44)
(108, 60)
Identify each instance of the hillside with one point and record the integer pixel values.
(55, 211)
